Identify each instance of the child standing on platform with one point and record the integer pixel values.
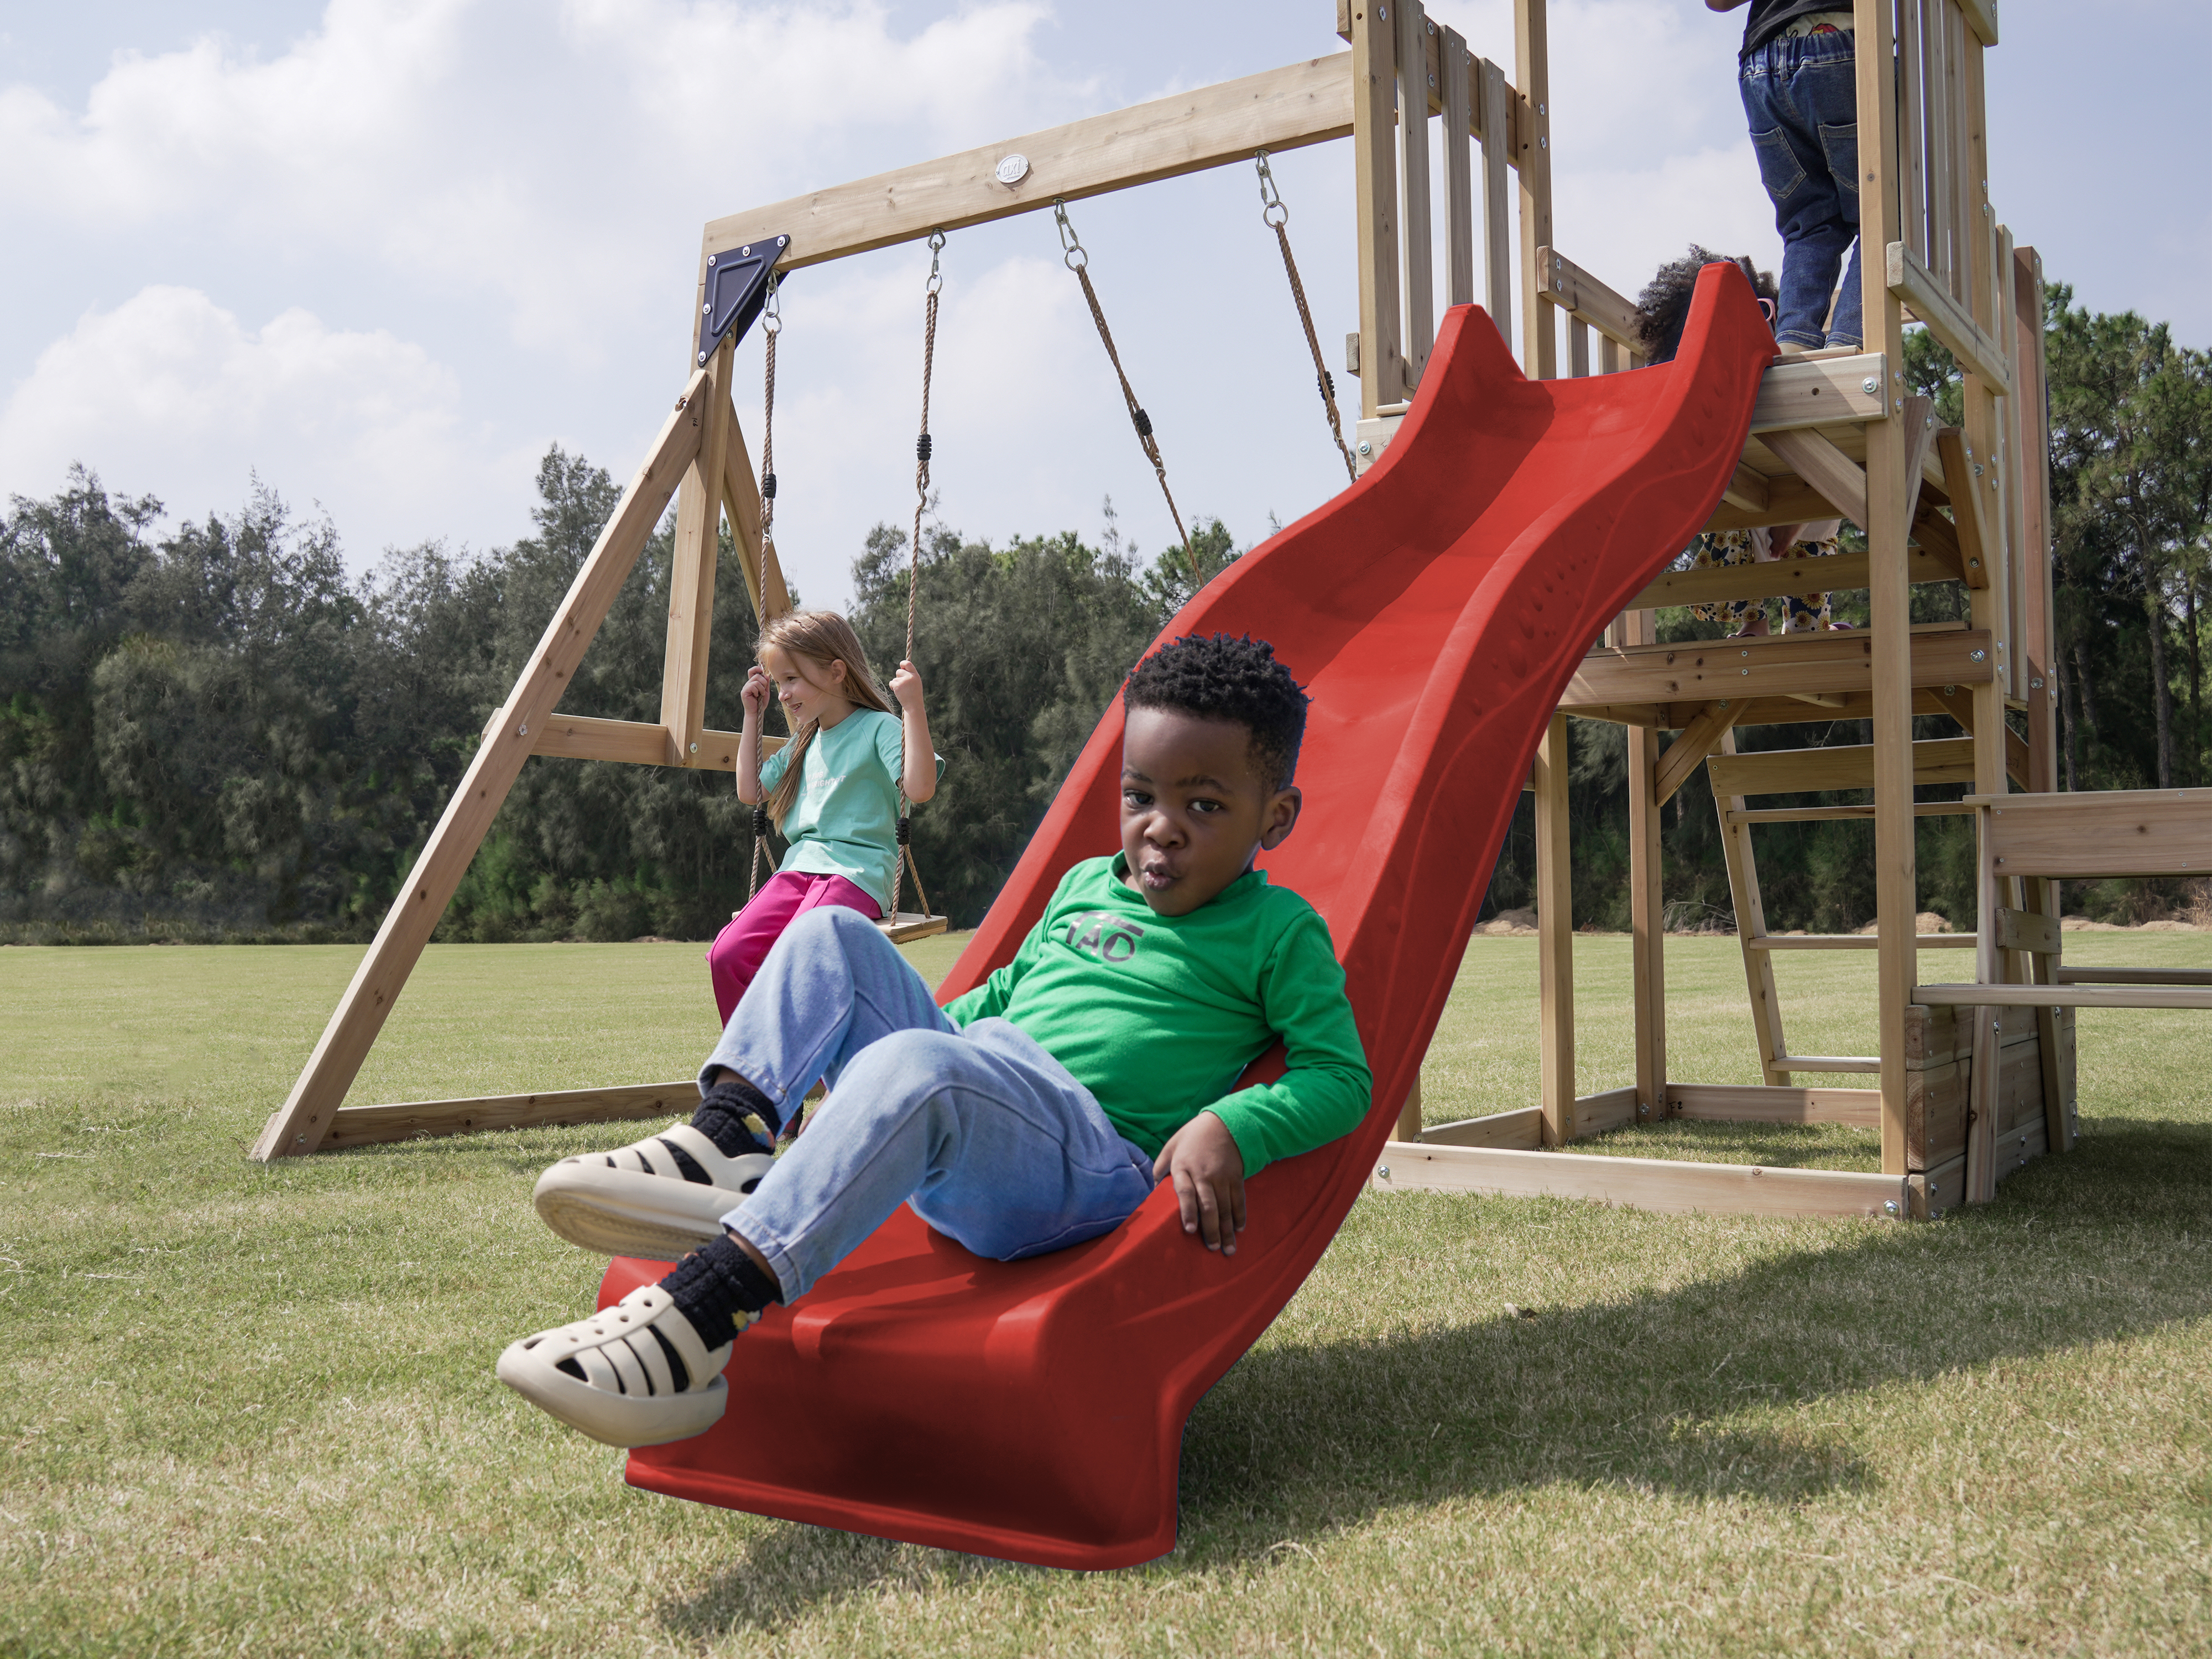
(1798, 72)
(833, 790)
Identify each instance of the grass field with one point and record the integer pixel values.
(251, 1410)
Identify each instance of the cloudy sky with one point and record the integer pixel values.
(383, 252)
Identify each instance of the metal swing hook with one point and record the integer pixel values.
(1272, 211)
(1072, 253)
(772, 308)
(936, 246)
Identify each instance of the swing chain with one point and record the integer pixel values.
(771, 325)
(1272, 212)
(1081, 266)
(930, 289)
(1277, 217)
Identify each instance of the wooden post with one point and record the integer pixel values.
(1456, 69)
(691, 573)
(1498, 126)
(1409, 1114)
(1889, 498)
(1647, 900)
(1751, 924)
(1374, 138)
(1555, 935)
(1413, 169)
(301, 1123)
(1539, 345)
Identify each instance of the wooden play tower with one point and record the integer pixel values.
(1962, 1094)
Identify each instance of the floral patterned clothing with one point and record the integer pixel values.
(1805, 613)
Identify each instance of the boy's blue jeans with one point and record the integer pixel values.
(1802, 98)
(988, 1135)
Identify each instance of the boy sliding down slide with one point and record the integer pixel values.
(1036, 1112)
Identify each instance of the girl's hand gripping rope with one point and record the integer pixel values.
(756, 692)
(906, 686)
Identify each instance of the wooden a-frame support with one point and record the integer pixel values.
(699, 444)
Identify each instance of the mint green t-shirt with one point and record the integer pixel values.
(1158, 1016)
(845, 822)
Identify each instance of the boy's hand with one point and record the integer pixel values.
(906, 687)
(1208, 1171)
(755, 691)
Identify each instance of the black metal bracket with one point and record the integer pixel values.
(736, 288)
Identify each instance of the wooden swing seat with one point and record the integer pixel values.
(910, 925)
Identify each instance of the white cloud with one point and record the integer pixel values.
(464, 146)
(168, 393)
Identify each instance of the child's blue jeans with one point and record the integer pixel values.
(992, 1141)
(1802, 98)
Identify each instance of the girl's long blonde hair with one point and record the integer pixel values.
(820, 637)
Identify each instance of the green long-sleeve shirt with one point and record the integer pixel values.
(1157, 1015)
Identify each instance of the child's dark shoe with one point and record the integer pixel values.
(655, 1198)
(636, 1374)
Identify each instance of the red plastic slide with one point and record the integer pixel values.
(1436, 610)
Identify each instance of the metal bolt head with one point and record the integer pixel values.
(695, 747)
(1383, 1172)
(1871, 385)
(1889, 1205)
(710, 259)
(1978, 654)
(1366, 448)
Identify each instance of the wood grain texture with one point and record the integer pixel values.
(1708, 670)
(416, 1119)
(1299, 104)
(1714, 1103)
(1666, 1186)
(301, 1122)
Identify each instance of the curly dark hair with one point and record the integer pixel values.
(1223, 678)
(1664, 306)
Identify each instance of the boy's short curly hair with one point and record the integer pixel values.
(1223, 678)
(1664, 306)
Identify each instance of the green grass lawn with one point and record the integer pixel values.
(251, 1410)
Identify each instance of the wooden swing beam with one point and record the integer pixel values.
(700, 456)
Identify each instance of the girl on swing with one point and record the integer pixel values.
(833, 790)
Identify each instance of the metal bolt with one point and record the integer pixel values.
(695, 747)
(2036, 683)
(1383, 1172)
(1978, 654)
(1366, 448)
(1745, 671)
(1871, 385)
(1890, 1205)
(707, 310)
(1541, 110)
(524, 733)
(702, 356)
(1900, 405)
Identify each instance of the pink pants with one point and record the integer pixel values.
(738, 952)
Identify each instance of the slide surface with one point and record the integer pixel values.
(1436, 610)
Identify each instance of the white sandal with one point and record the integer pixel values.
(609, 1374)
(638, 1200)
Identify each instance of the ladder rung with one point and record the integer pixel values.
(2135, 976)
(1931, 809)
(1827, 1063)
(1854, 942)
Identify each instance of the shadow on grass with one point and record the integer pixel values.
(1659, 1391)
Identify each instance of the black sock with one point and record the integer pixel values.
(722, 1114)
(720, 1289)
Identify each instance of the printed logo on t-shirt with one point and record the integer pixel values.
(1102, 934)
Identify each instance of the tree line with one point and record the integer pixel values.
(215, 734)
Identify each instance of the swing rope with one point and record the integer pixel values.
(771, 325)
(1277, 217)
(904, 859)
(1077, 260)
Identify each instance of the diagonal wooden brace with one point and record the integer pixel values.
(301, 1123)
